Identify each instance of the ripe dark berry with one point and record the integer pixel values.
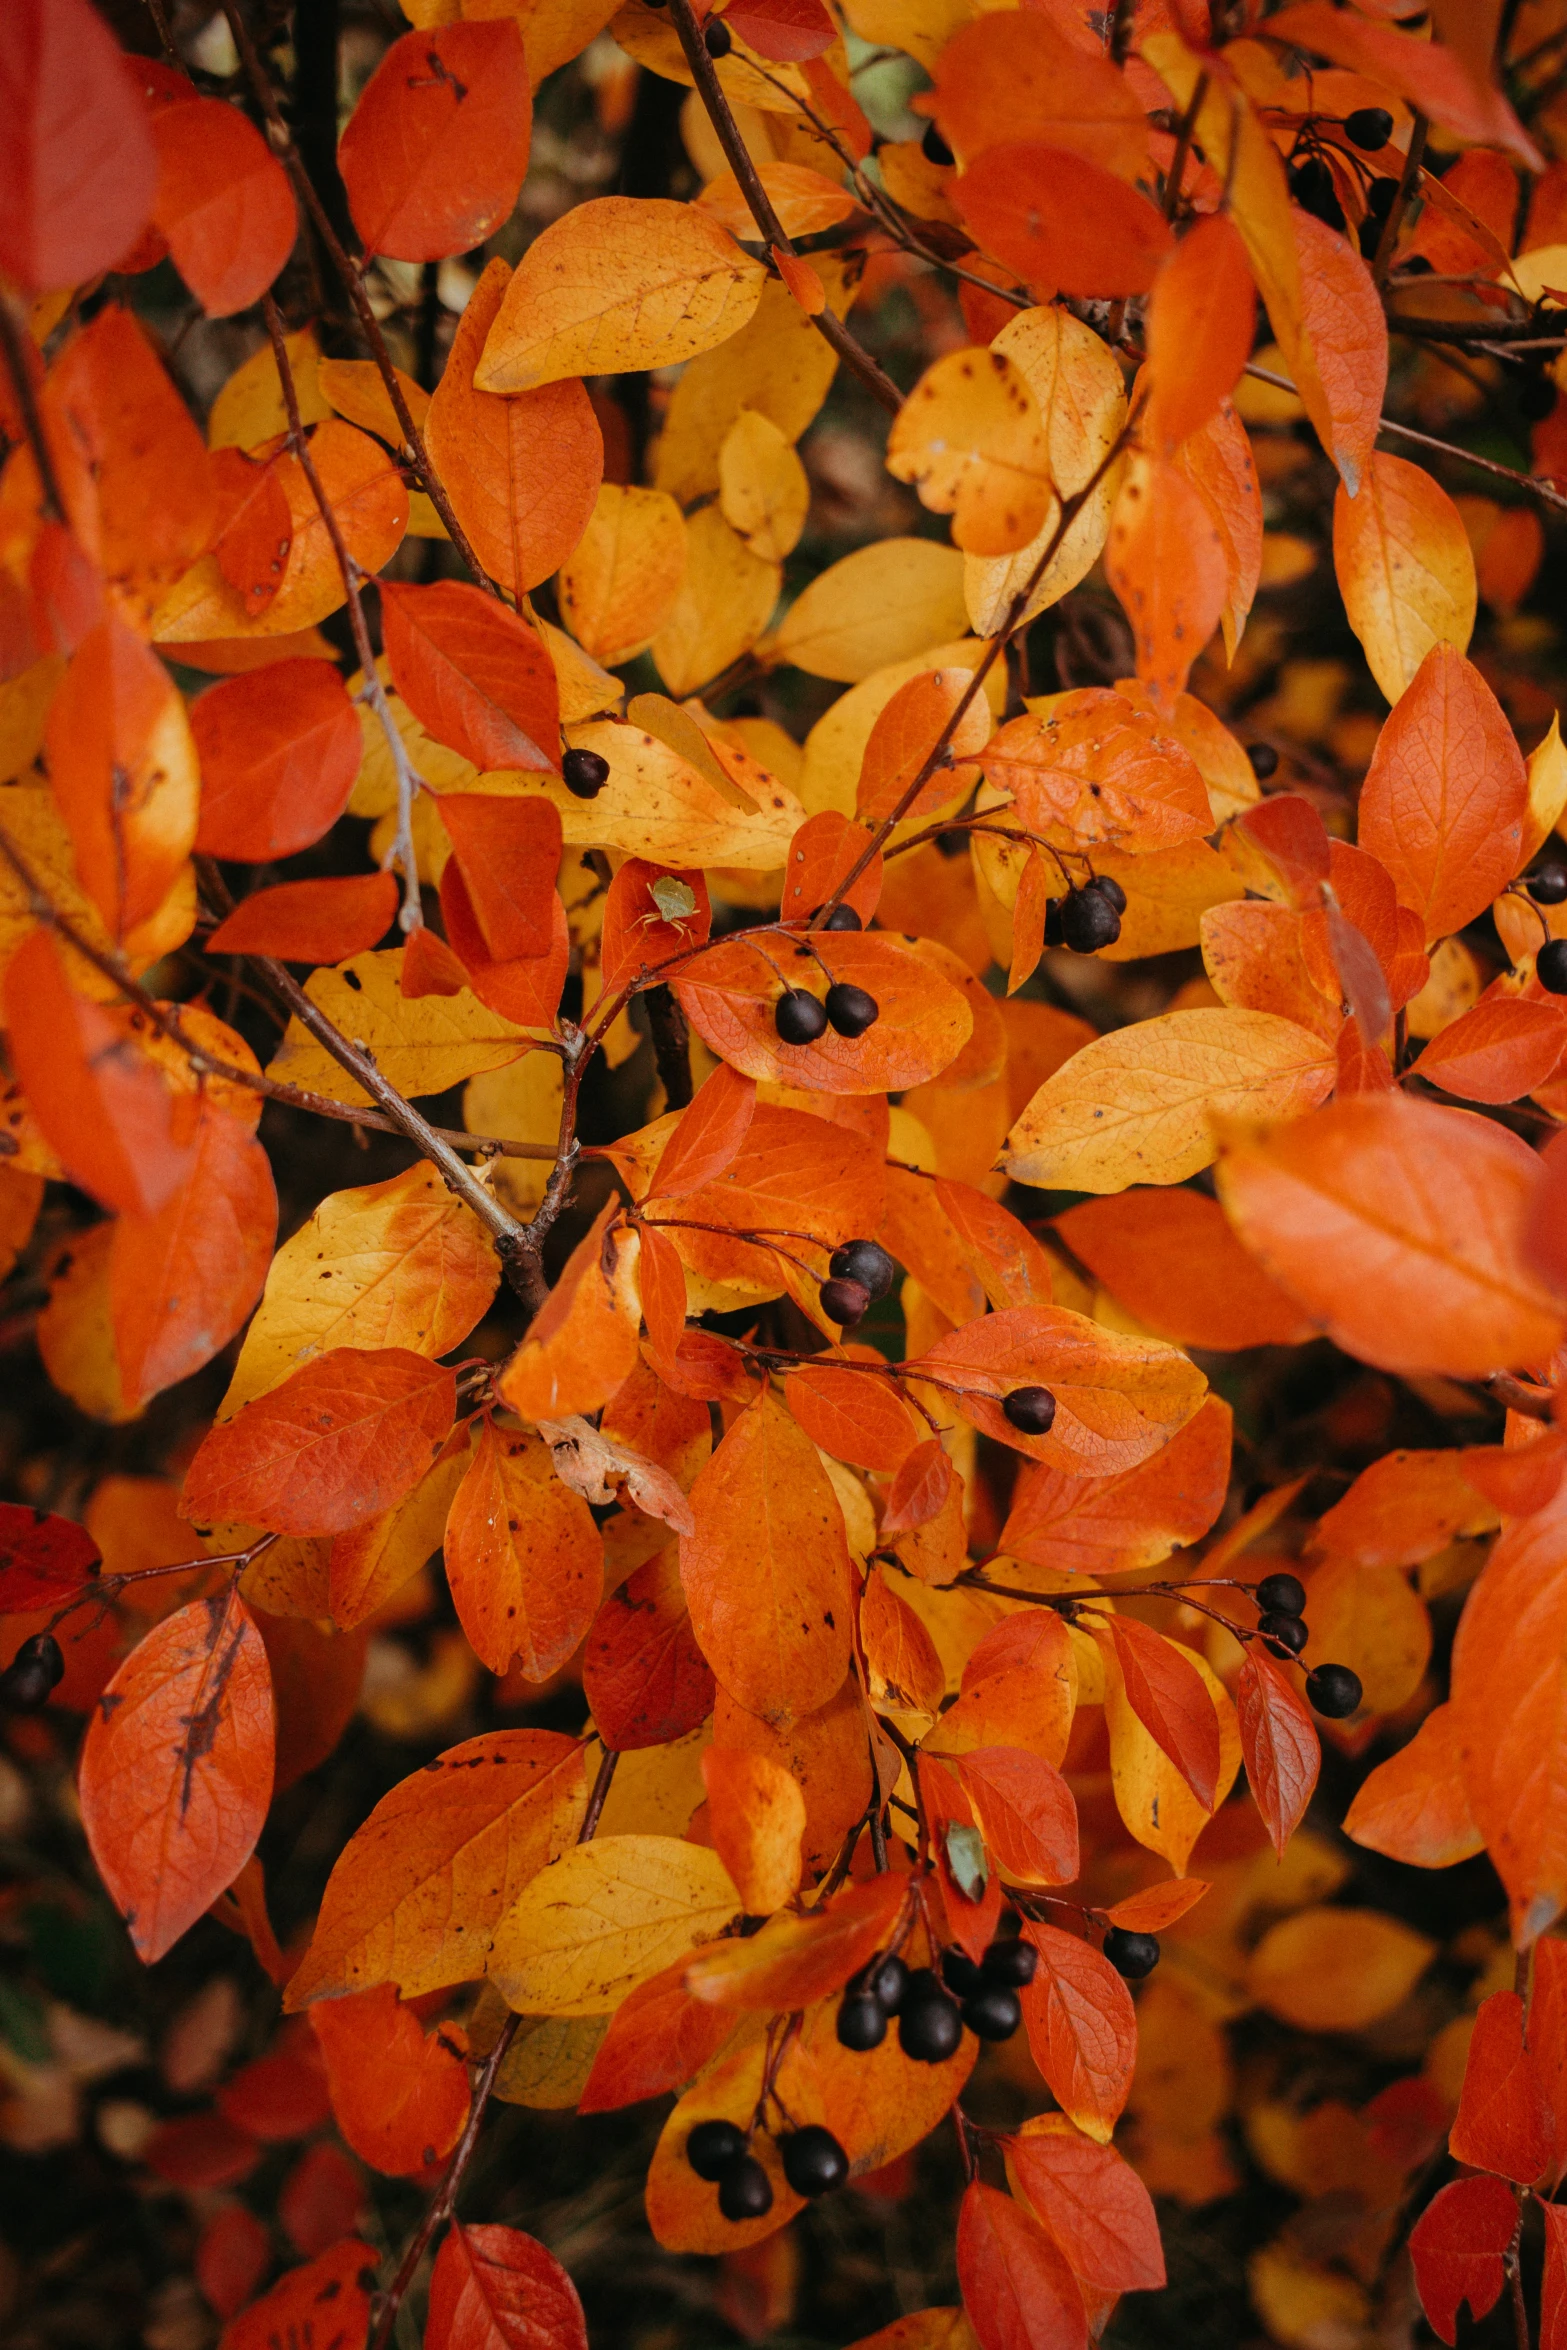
(1011, 1962)
(584, 773)
(845, 1302)
(718, 40)
(1131, 1955)
(934, 147)
(1054, 934)
(1088, 921)
(843, 918)
(862, 2021)
(993, 2012)
(1030, 1410)
(1334, 1691)
(887, 1980)
(1368, 128)
(850, 1009)
(1548, 887)
(959, 1972)
(1285, 1635)
(714, 2148)
(865, 1261)
(930, 2029)
(1264, 760)
(1380, 198)
(1550, 966)
(813, 2161)
(798, 1017)
(1311, 185)
(35, 1669)
(1282, 1595)
(1109, 887)
(919, 1983)
(746, 2192)
(1369, 237)
(1536, 398)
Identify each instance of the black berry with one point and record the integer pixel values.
(813, 2161)
(1013, 1962)
(1054, 934)
(1264, 760)
(718, 40)
(1380, 198)
(584, 773)
(1536, 398)
(1550, 966)
(1282, 1595)
(1311, 185)
(1369, 237)
(1088, 921)
(845, 1302)
(35, 1669)
(1131, 1955)
(843, 918)
(1109, 887)
(993, 2012)
(930, 2029)
(934, 147)
(1030, 1410)
(1285, 1635)
(862, 2021)
(1368, 128)
(850, 1009)
(1334, 1691)
(798, 1017)
(865, 1261)
(959, 1972)
(1548, 887)
(746, 2192)
(714, 2148)
(887, 1980)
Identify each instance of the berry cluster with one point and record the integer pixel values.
(1548, 887)
(857, 1274)
(1088, 917)
(34, 1670)
(1334, 1690)
(720, 2152)
(932, 2005)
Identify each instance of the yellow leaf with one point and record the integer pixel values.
(881, 604)
(656, 805)
(725, 601)
(835, 746)
(1337, 1970)
(1547, 765)
(1405, 569)
(251, 409)
(369, 1565)
(548, 2063)
(520, 1103)
(24, 707)
(620, 282)
(1137, 1106)
(764, 491)
(604, 1918)
(74, 1329)
(619, 586)
(971, 439)
(777, 365)
(1168, 891)
(355, 390)
(1369, 1619)
(423, 1044)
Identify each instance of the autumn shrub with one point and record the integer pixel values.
(784, 952)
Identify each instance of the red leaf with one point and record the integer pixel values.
(508, 852)
(310, 921)
(1066, 225)
(1501, 1048)
(643, 1674)
(1017, 2288)
(1170, 1698)
(1290, 837)
(176, 1770)
(1025, 1812)
(788, 31)
(524, 988)
(1457, 2245)
(854, 1415)
(339, 1442)
(709, 1135)
(323, 2306)
(1082, 2029)
(279, 751)
(821, 853)
(233, 2256)
(636, 934)
(322, 2197)
(283, 2094)
(435, 151)
(42, 1558)
(77, 165)
(662, 1281)
(1431, 77)
(223, 201)
(202, 2151)
(658, 2039)
(399, 2093)
(474, 674)
(496, 2289)
(1280, 1744)
(1093, 2203)
(1504, 2121)
(255, 527)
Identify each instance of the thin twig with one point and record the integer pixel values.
(1408, 180)
(710, 90)
(1545, 491)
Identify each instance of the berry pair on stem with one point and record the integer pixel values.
(800, 1017)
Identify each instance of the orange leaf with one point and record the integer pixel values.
(334, 1445)
(905, 1668)
(429, 966)
(494, 2288)
(1167, 562)
(1341, 311)
(310, 921)
(1169, 1697)
(1279, 1742)
(1410, 1275)
(523, 1557)
(1444, 801)
(508, 852)
(1170, 1257)
(920, 1489)
(1093, 2203)
(756, 1816)
(821, 853)
(922, 1021)
(524, 988)
(662, 1280)
(1403, 1509)
(1082, 2029)
(477, 678)
(1064, 223)
(1157, 1906)
(223, 202)
(399, 2094)
(279, 751)
(797, 1959)
(1201, 321)
(660, 2037)
(1090, 770)
(1000, 83)
(77, 164)
(435, 151)
(123, 768)
(1500, 1049)
(636, 933)
(1217, 460)
(1432, 78)
(255, 527)
(711, 1130)
(1024, 1811)
(176, 1771)
(1018, 2290)
(643, 1675)
(325, 2304)
(801, 279)
(855, 1415)
(905, 734)
(1504, 2121)
(583, 1342)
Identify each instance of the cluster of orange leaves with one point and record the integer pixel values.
(765, 1556)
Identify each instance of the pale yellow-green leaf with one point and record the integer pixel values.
(548, 2063)
(605, 1917)
(1137, 1106)
(422, 1044)
(656, 1788)
(725, 601)
(922, 27)
(883, 603)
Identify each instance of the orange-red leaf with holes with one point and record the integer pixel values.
(1169, 1697)
(176, 1771)
(279, 751)
(399, 2093)
(476, 677)
(1064, 223)
(337, 1443)
(643, 1675)
(1018, 2290)
(223, 202)
(1457, 2247)
(325, 2304)
(77, 163)
(1444, 799)
(494, 2288)
(1201, 321)
(1280, 1744)
(1082, 2029)
(435, 151)
(310, 921)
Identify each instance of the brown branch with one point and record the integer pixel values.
(353, 285)
(1545, 491)
(444, 2201)
(710, 90)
